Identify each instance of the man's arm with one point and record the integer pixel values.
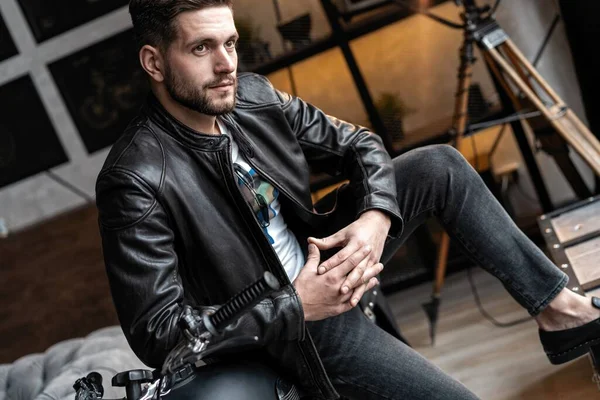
(141, 264)
(339, 148)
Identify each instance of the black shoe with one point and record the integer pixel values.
(568, 344)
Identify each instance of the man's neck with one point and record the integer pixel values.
(197, 121)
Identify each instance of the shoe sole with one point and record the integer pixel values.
(573, 353)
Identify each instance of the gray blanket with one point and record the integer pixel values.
(51, 375)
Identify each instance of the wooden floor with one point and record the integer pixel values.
(54, 284)
(495, 363)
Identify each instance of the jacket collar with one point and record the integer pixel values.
(175, 128)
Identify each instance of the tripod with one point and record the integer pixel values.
(521, 87)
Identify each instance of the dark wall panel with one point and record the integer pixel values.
(28, 141)
(7, 46)
(583, 29)
(50, 18)
(103, 87)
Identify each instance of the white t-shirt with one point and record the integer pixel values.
(281, 238)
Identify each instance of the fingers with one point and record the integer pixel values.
(372, 283)
(357, 272)
(358, 294)
(313, 258)
(360, 291)
(361, 275)
(338, 258)
(353, 261)
(329, 242)
(352, 301)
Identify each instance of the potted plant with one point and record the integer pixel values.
(252, 49)
(392, 111)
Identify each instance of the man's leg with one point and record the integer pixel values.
(362, 360)
(438, 181)
(365, 362)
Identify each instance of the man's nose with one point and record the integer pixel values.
(225, 62)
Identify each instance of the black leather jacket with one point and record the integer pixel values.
(176, 230)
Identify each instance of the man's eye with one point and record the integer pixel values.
(200, 47)
(230, 44)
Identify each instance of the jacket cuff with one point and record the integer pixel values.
(293, 313)
(397, 226)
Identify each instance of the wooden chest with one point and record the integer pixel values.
(572, 236)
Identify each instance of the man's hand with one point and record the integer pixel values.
(369, 230)
(320, 294)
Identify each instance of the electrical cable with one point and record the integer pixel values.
(439, 19)
(547, 37)
(495, 7)
(545, 42)
(518, 116)
(496, 143)
(474, 146)
(485, 313)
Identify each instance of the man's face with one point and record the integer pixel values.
(200, 70)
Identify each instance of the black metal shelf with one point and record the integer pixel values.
(388, 15)
(342, 32)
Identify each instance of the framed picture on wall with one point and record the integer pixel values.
(103, 87)
(7, 46)
(50, 18)
(28, 141)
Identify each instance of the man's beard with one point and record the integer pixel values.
(197, 98)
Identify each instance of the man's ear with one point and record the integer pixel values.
(152, 61)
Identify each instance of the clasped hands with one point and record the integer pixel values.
(336, 285)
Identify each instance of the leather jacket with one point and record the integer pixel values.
(176, 229)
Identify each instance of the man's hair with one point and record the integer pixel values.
(153, 20)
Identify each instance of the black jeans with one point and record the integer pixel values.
(365, 362)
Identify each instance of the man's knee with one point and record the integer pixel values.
(430, 161)
(447, 152)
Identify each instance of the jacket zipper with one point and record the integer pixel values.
(262, 172)
(323, 387)
(230, 179)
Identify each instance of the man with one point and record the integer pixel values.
(209, 186)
